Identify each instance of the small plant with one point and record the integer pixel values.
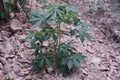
(96, 5)
(49, 50)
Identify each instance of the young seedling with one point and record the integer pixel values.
(49, 50)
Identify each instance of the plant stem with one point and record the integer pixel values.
(58, 42)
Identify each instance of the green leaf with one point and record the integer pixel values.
(66, 52)
(87, 29)
(70, 64)
(41, 63)
(33, 18)
(36, 53)
(72, 32)
(58, 23)
(30, 31)
(76, 63)
(38, 23)
(60, 13)
(47, 62)
(28, 37)
(84, 24)
(81, 35)
(64, 62)
(71, 9)
(33, 42)
(54, 37)
(46, 37)
(54, 15)
(76, 20)
(80, 57)
(89, 38)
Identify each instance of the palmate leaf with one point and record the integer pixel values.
(71, 9)
(38, 13)
(38, 17)
(82, 29)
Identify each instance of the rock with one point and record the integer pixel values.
(15, 25)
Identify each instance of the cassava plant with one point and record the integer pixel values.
(49, 50)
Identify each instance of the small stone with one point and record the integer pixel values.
(12, 15)
(50, 69)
